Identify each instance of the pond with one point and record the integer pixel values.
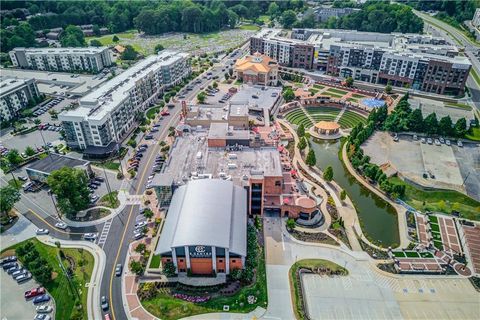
(379, 219)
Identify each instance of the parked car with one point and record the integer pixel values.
(8, 259)
(447, 142)
(42, 232)
(42, 316)
(24, 277)
(422, 140)
(61, 225)
(165, 113)
(34, 292)
(9, 265)
(44, 309)
(429, 140)
(149, 137)
(22, 178)
(437, 142)
(459, 143)
(14, 269)
(104, 302)
(41, 299)
(118, 270)
(415, 137)
(138, 235)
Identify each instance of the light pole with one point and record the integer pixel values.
(108, 185)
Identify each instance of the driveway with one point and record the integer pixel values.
(393, 296)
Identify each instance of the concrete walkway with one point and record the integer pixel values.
(346, 209)
(93, 299)
(401, 211)
(22, 230)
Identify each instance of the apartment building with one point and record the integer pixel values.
(15, 95)
(419, 61)
(107, 115)
(322, 14)
(476, 18)
(89, 59)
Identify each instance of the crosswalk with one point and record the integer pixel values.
(134, 199)
(103, 236)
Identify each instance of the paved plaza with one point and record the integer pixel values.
(352, 296)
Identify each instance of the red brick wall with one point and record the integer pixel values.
(217, 143)
(235, 263)
(269, 185)
(221, 265)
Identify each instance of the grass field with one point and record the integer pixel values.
(458, 106)
(59, 287)
(474, 135)
(337, 91)
(350, 119)
(313, 91)
(107, 40)
(441, 201)
(412, 254)
(252, 27)
(107, 199)
(295, 285)
(152, 112)
(298, 117)
(359, 96)
(331, 95)
(155, 263)
(318, 86)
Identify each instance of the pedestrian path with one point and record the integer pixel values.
(340, 114)
(134, 200)
(309, 116)
(104, 234)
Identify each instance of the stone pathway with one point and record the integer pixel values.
(340, 114)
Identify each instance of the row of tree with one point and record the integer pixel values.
(456, 10)
(36, 264)
(379, 16)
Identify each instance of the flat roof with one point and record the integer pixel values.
(105, 98)
(55, 161)
(266, 96)
(224, 131)
(7, 85)
(207, 212)
(86, 50)
(190, 158)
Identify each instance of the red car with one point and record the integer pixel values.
(165, 113)
(34, 292)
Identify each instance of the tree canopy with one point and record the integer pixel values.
(8, 197)
(69, 185)
(72, 37)
(129, 53)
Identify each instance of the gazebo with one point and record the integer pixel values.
(327, 127)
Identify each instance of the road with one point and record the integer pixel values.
(456, 37)
(121, 229)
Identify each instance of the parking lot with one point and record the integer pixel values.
(13, 304)
(444, 166)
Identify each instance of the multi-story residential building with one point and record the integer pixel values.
(476, 18)
(419, 61)
(15, 94)
(62, 59)
(107, 115)
(324, 13)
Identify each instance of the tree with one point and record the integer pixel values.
(148, 213)
(290, 224)
(69, 185)
(431, 123)
(29, 151)
(273, 10)
(159, 47)
(8, 197)
(328, 174)
(288, 94)
(343, 195)
(14, 157)
(115, 38)
(349, 81)
(95, 43)
(311, 159)
(169, 269)
(129, 53)
(288, 19)
(137, 267)
(96, 30)
(302, 144)
(388, 88)
(201, 97)
(460, 128)
(445, 126)
(301, 130)
(415, 121)
(72, 36)
(140, 247)
(215, 85)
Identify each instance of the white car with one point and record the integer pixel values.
(61, 225)
(437, 142)
(140, 225)
(90, 236)
(42, 232)
(448, 143)
(459, 143)
(44, 309)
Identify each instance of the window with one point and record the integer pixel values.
(233, 261)
(220, 260)
(169, 260)
(181, 260)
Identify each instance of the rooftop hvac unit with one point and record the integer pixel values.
(232, 156)
(245, 177)
(222, 174)
(231, 166)
(256, 172)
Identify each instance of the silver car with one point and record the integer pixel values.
(42, 232)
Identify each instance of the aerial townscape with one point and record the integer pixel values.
(294, 159)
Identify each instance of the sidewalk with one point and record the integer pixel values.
(22, 230)
(93, 299)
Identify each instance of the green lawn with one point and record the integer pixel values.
(352, 100)
(438, 244)
(412, 254)
(110, 164)
(332, 95)
(350, 119)
(356, 95)
(156, 259)
(435, 227)
(398, 254)
(337, 91)
(318, 86)
(313, 91)
(107, 39)
(426, 255)
(458, 106)
(433, 219)
(106, 200)
(59, 287)
(252, 27)
(298, 117)
(441, 201)
(17, 184)
(295, 286)
(474, 135)
(152, 112)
